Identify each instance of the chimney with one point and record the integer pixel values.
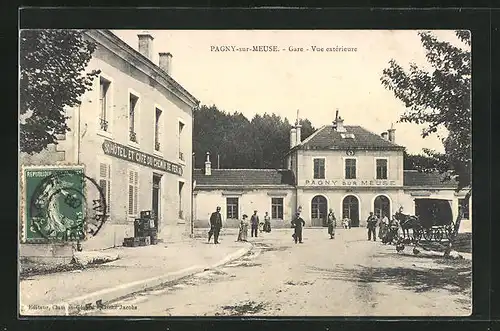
(298, 133)
(293, 137)
(338, 124)
(298, 138)
(165, 62)
(208, 165)
(384, 135)
(392, 134)
(146, 45)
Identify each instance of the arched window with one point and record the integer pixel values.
(382, 206)
(350, 209)
(318, 207)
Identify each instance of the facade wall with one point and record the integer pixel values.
(365, 168)
(335, 200)
(83, 145)
(206, 201)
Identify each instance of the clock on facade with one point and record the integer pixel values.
(350, 152)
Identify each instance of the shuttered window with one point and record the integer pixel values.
(105, 183)
(133, 192)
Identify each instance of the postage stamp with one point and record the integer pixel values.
(55, 206)
(345, 154)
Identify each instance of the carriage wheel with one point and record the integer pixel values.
(428, 234)
(438, 234)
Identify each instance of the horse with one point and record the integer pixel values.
(408, 222)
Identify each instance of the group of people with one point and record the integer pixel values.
(388, 229)
(256, 226)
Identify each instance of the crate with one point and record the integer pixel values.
(131, 242)
(144, 241)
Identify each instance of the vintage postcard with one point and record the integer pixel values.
(245, 173)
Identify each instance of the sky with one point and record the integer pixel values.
(316, 83)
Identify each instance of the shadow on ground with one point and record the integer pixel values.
(456, 278)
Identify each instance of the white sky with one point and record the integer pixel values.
(282, 82)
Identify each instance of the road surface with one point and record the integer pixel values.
(346, 276)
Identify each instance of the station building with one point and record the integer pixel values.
(346, 168)
(133, 134)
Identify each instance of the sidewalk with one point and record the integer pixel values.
(136, 269)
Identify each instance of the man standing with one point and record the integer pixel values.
(331, 224)
(215, 225)
(255, 223)
(371, 224)
(298, 223)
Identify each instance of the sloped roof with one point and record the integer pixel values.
(413, 178)
(328, 138)
(244, 177)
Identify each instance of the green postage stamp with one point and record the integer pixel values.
(54, 205)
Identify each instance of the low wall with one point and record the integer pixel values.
(46, 253)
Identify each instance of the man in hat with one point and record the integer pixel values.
(215, 225)
(254, 220)
(371, 224)
(331, 224)
(298, 223)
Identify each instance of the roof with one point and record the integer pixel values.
(244, 177)
(328, 138)
(172, 83)
(413, 178)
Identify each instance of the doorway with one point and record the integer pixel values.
(156, 198)
(350, 209)
(319, 207)
(382, 206)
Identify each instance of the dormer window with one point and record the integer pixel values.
(347, 135)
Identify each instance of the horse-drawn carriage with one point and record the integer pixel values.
(433, 220)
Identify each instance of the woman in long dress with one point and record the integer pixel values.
(267, 223)
(243, 231)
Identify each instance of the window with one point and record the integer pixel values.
(319, 168)
(103, 103)
(318, 207)
(105, 183)
(232, 208)
(350, 168)
(157, 129)
(181, 127)
(464, 207)
(381, 165)
(181, 213)
(277, 208)
(133, 192)
(132, 117)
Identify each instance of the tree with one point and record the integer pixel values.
(52, 64)
(240, 143)
(440, 97)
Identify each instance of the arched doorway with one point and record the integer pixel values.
(350, 209)
(382, 205)
(319, 207)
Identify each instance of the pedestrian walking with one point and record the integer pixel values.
(267, 223)
(371, 224)
(243, 231)
(298, 223)
(332, 223)
(215, 225)
(255, 223)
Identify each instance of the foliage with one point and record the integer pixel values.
(241, 143)
(440, 97)
(52, 65)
